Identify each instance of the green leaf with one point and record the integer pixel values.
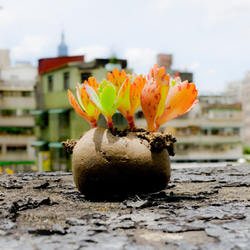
(107, 97)
(172, 83)
(121, 94)
(101, 85)
(93, 97)
(126, 99)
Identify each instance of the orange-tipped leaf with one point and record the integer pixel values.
(150, 99)
(180, 100)
(76, 106)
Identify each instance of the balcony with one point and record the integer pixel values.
(17, 139)
(17, 121)
(208, 155)
(208, 139)
(17, 148)
(199, 122)
(9, 102)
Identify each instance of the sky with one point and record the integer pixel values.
(210, 38)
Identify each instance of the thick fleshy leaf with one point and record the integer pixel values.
(81, 97)
(94, 98)
(121, 94)
(117, 78)
(92, 82)
(159, 75)
(126, 99)
(180, 100)
(164, 93)
(173, 81)
(84, 101)
(107, 98)
(150, 99)
(135, 93)
(76, 106)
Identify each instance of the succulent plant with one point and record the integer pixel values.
(106, 99)
(131, 100)
(163, 99)
(82, 105)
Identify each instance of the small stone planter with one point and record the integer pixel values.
(106, 164)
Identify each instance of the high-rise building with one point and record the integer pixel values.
(17, 100)
(246, 109)
(62, 48)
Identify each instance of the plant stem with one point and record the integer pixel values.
(110, 123)
(156, 127)
(131, 123)
(93, 124)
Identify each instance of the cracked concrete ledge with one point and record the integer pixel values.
(202, 208)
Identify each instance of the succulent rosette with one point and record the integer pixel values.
(82, 105)
(131, 100)
(106, 99)
(163, 99)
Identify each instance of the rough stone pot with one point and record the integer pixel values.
(104, 164)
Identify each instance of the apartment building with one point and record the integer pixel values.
(210, 132)
(239, 92)
(246, 109)
(17, 100)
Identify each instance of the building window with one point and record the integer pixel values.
(85, 76)
(66, 80)
(26, 93)
(50, 83)
(8, 112)
(16, 149)
(26, 112)
(64, 119)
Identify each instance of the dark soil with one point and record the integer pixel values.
(202, 208)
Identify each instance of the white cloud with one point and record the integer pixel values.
(31, 46)
(190, 67)
(140, 59)
(160, 5)
(219, 11)
(6, 17)
(92, 52)
(209, 72)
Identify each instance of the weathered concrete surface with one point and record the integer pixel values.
(203, 208)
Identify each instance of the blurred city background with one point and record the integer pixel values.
(47, 47)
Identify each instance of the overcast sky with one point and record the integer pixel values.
(210, 38)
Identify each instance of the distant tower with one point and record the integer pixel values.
(62, 48)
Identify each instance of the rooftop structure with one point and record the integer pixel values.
(165, 60)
